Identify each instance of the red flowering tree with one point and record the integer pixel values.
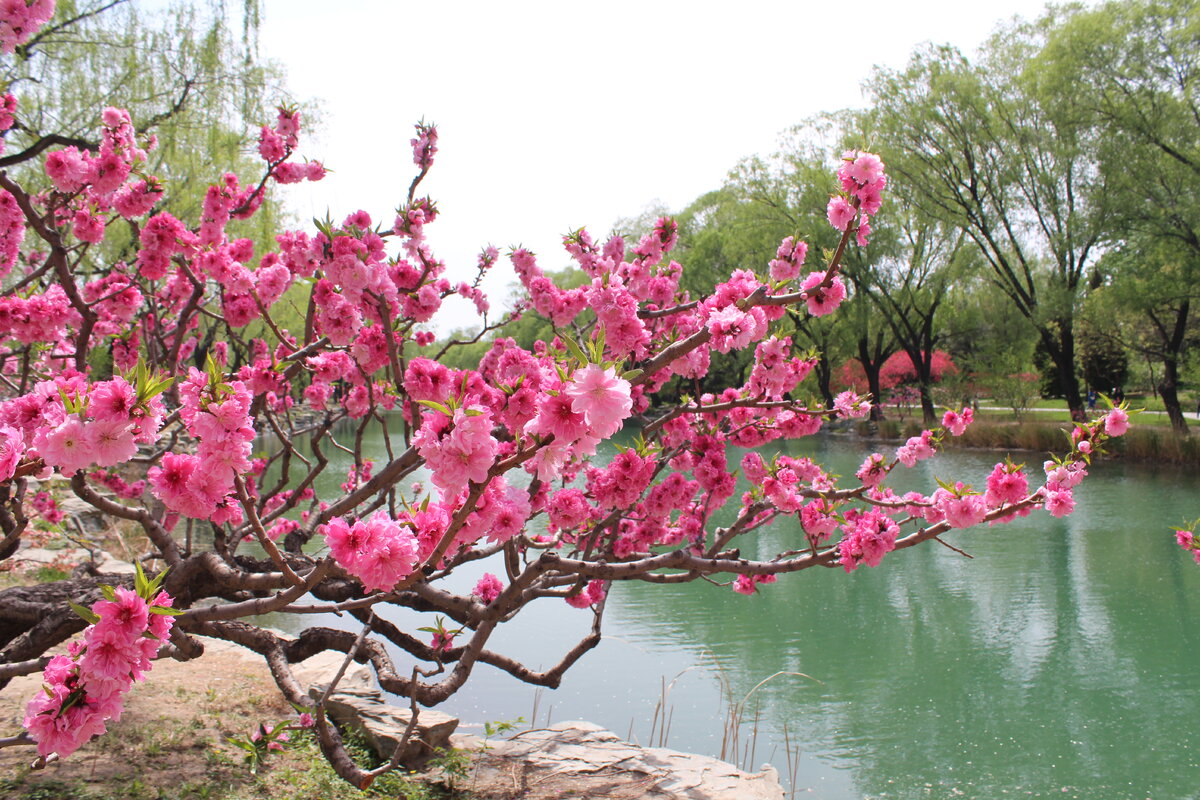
(509, 447)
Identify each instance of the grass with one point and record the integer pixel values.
(298, 773)
(1149, 439)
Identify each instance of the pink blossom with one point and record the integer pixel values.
(12, 448)
(822, 300)
(960, 508)
(1059, 502)
(840, 212)
(602, 397)
(1116, 422)
(850, 405)
(1005, 485)
(65, 446)
(957, 423)
(488, 588)
(868, 538)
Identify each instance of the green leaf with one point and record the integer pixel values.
(436, 406)
(241, 742)
(166, 611)
(89, 616)
(139, 582)
(575, 349)
(110, 594)
(632, 375)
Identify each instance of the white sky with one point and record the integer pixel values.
(559, 115)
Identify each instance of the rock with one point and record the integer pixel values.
(91, 520)
(384, 724)
(41, 556)
(572, 760)
(315, 674)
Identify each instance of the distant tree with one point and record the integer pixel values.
(1013, 168)
(1131, 70)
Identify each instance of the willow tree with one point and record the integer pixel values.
(1014, 168)
(187, 72)
(1132, 71)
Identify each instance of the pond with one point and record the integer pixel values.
(1061, 659)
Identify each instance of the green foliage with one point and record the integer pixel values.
(181, 71)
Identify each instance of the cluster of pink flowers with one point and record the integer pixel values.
(378, 551)
(592, 593)
(21, 19)
(424, 145)
(83, 690)
(458, 449)
(201, 486)
(869, 536)
(277, 144)
(1189, 542)
(775, 373)
(748, 584)
(863, 181)
(40, 317)
(956, 422)
(98, 183)
(12, 232)
(488, 588)
(118, 485)
(46, 507)
(72, 424)
(917, 448)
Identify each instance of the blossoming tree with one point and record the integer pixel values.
(163, 441)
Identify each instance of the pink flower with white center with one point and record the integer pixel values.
(1116, 422)
(65, 446)
(602, 397)
(111, 442)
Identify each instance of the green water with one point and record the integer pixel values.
(1060, 661)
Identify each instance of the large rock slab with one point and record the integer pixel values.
(578, 760)
(384, 724)
(358, 703)
(315, 674)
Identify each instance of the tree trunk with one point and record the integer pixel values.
(824, 372)
(1167, 388)
(1170, 397)
(1062, 353)
(928, 414)
(872, 368)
